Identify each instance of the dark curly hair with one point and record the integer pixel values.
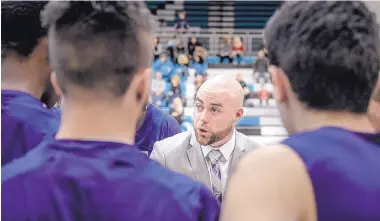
(98, 44)
(21, 27)
(329, 50)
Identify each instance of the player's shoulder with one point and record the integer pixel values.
(27, 164)
(175, 184)
(157, 113)
(186, 198)
(20, 194)
(33, 115)
(262, 159)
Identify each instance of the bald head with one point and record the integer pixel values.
(218, 107)
(225, 86)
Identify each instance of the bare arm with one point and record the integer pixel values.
(270, 184)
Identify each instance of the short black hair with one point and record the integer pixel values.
(21, 27)
(98, 44)
(329, 50)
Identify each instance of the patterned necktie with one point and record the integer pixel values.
(214, 157)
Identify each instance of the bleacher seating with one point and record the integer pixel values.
(155, 5)
(219, 14)
(253, 14)
(216, 60)
(197, 13)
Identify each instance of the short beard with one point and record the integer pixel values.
(215, 137)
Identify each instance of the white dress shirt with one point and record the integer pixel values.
(226, 151)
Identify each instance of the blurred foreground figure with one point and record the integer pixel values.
(25, 74)
(324, 63)
(101, 53)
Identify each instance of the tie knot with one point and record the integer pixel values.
(215, 155)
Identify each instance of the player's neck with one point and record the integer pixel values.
(312, 120)
(96, 122)
(18, 77)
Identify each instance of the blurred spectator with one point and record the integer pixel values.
(265, 52)
(158, 48)
(201, 51)
(192, 44)
(180, 48)
(263, 95)
(238, 50)
(260, 67)
(181, 25)
(225, 52)
(171, 47)
(158, 88)
(177, 109)
(239, 77)
(263, 48)
(199, 63)
(181, 68)
(199, 80)
(175, 89)
(163, 65)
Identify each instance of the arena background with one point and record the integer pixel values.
(211, 22)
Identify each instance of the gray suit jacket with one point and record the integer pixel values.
(182, 153)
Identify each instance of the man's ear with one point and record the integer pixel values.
(53, 79)
(142, 83)
(280, 82)
(41, 52)
(239, 114)
(40, 57)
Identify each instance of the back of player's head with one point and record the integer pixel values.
(98, 45)
(329, 52)
(21, 27)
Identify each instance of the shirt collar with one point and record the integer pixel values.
(225, 149)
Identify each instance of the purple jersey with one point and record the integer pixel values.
(156, 126)
(91, 180)
(344, 167)
(25, 122)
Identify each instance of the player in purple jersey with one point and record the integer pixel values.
(325, 61)
(25, 72)
(101, 52)
(154, 126)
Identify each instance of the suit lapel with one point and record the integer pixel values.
(198, 163)
(237, 154)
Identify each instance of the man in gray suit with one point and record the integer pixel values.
(210, 152)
